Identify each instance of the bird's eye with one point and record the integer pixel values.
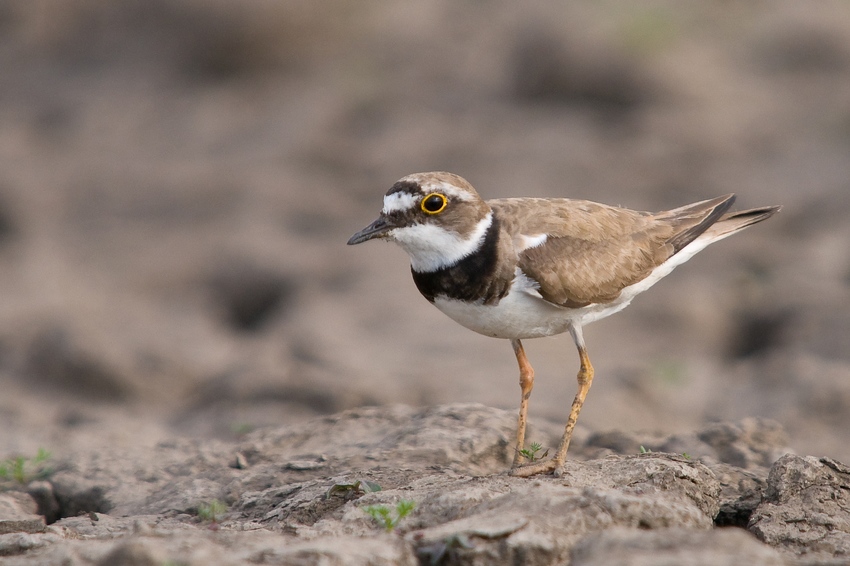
(434, 203)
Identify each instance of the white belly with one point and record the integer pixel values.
(524, 314)
(518, 315)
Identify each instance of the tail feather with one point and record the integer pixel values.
(693, 220)
(737, 221)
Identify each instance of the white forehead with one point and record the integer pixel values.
(399, 201)
(403, 200)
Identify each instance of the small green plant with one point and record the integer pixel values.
(670, 372)
(686, 456)
(384, 516)
(645, 450)
(530, 453)
(241, 429)
(648, 31)
(211, 511)
(351, 490)
(24, 470)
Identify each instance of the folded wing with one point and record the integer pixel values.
(590, 251)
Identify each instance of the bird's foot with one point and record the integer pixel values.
(536, 468)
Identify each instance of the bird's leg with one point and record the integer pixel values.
(526, 383)
(585, 379)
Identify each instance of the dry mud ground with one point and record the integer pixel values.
(301, 494)
(177, 182)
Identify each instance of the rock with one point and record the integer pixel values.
(13, 544)
(505, 519)
(538, 522)
(103, 526)
(45, 498)
(18, 514)
(466, 437)
(806, 508)
(239, 462)
(737, 453)
(502, 517)
(651, 473)
(747, 444)
(78, 495)
(752, 442)
(304, 465)
(618, 441)
(120, 541)
(340, 551)
(184, 496)
(132, 552)
(673, 547)
(56, 360)
(740, 493)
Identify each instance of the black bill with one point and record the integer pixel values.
(376, 229)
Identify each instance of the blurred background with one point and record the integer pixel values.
(178, 179)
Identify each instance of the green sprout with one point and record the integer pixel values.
(211, 511)
(384, 516)
(530, 453)
(670, 372)
(24, 470)
(645, 450)
(241, 429)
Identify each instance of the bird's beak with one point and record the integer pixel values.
(377, 229)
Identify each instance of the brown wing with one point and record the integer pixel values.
(593, 251)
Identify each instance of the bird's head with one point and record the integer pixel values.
(437, 218)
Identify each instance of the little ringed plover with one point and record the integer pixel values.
(518, 268)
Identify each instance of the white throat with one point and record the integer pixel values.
(432, 247)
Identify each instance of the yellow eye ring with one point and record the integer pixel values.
(434, 203)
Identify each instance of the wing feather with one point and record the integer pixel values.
(592, 251)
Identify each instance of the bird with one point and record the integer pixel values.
(522, 268)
